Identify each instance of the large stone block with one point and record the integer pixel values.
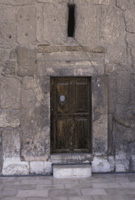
(112, 26)
(1, 160)
(100, 134)
(11, 143)
(112, 93)
(102, 2)
(121, 162)
(116, 54)
(17, 2)
(26, 26)
(40, 167)
(124, 4)
(133, 56)
(10, 93)
(100, 114)
(130, 40)
(55, 22)
(100, 95)
(102, 164)
(130, 20)
(10, 67)
(34, 85)
(9, 119)
(4, 54)
(133, 88)
(87, 20)
(124, 124)
(35, 118)
(123, 85)
(7, 26)
(14, 166)
(26, 61)
(81, 68)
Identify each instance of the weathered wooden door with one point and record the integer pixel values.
(70, 115)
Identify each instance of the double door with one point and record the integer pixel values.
(70, 115)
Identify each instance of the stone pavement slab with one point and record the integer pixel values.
(65, 192)
(97, 187)
(32, 193)
(92, 191)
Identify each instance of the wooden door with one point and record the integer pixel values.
(70, 115)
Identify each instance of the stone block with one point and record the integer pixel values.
(130, 20)
(112, 93)
(26, 26)
(133, 88)
(12, 54)
(112, 26)
(133, 56)
(10, 68)
(123, 85)
(100, 113)
(1, 160)
(55, 23)
(130, 40)
(101, 164)
(4, 54)
(81, 68)
(34, 84)
(40, 167)
(100, 134)
(9, 119)
(121, 162)
(11, 143)
(116, 54)
(72, 171)
(26, 61)
(14, 166)
(7, 26)
(132, 163)
(124, 4)
(102, 2)
(17, 2)
(100, 94)
(35, 118)
(10, 93)
(87, 29)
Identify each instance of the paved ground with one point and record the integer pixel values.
(98, 187)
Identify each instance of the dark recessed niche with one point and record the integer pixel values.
(71, 20)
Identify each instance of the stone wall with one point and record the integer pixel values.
(33, 47)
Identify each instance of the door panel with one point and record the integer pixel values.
(62, 97)
(70, 115)
(81, 133)
(81, 97)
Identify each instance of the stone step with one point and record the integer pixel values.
(71, 171)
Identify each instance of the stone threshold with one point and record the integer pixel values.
(72, 171)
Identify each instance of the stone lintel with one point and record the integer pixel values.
(50, 49)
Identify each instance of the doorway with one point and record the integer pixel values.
(70, 114)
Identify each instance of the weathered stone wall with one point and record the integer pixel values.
(34, 46)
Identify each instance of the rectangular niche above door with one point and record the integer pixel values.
(70, 114)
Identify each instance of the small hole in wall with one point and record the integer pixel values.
(10, 36)
(71, 20)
